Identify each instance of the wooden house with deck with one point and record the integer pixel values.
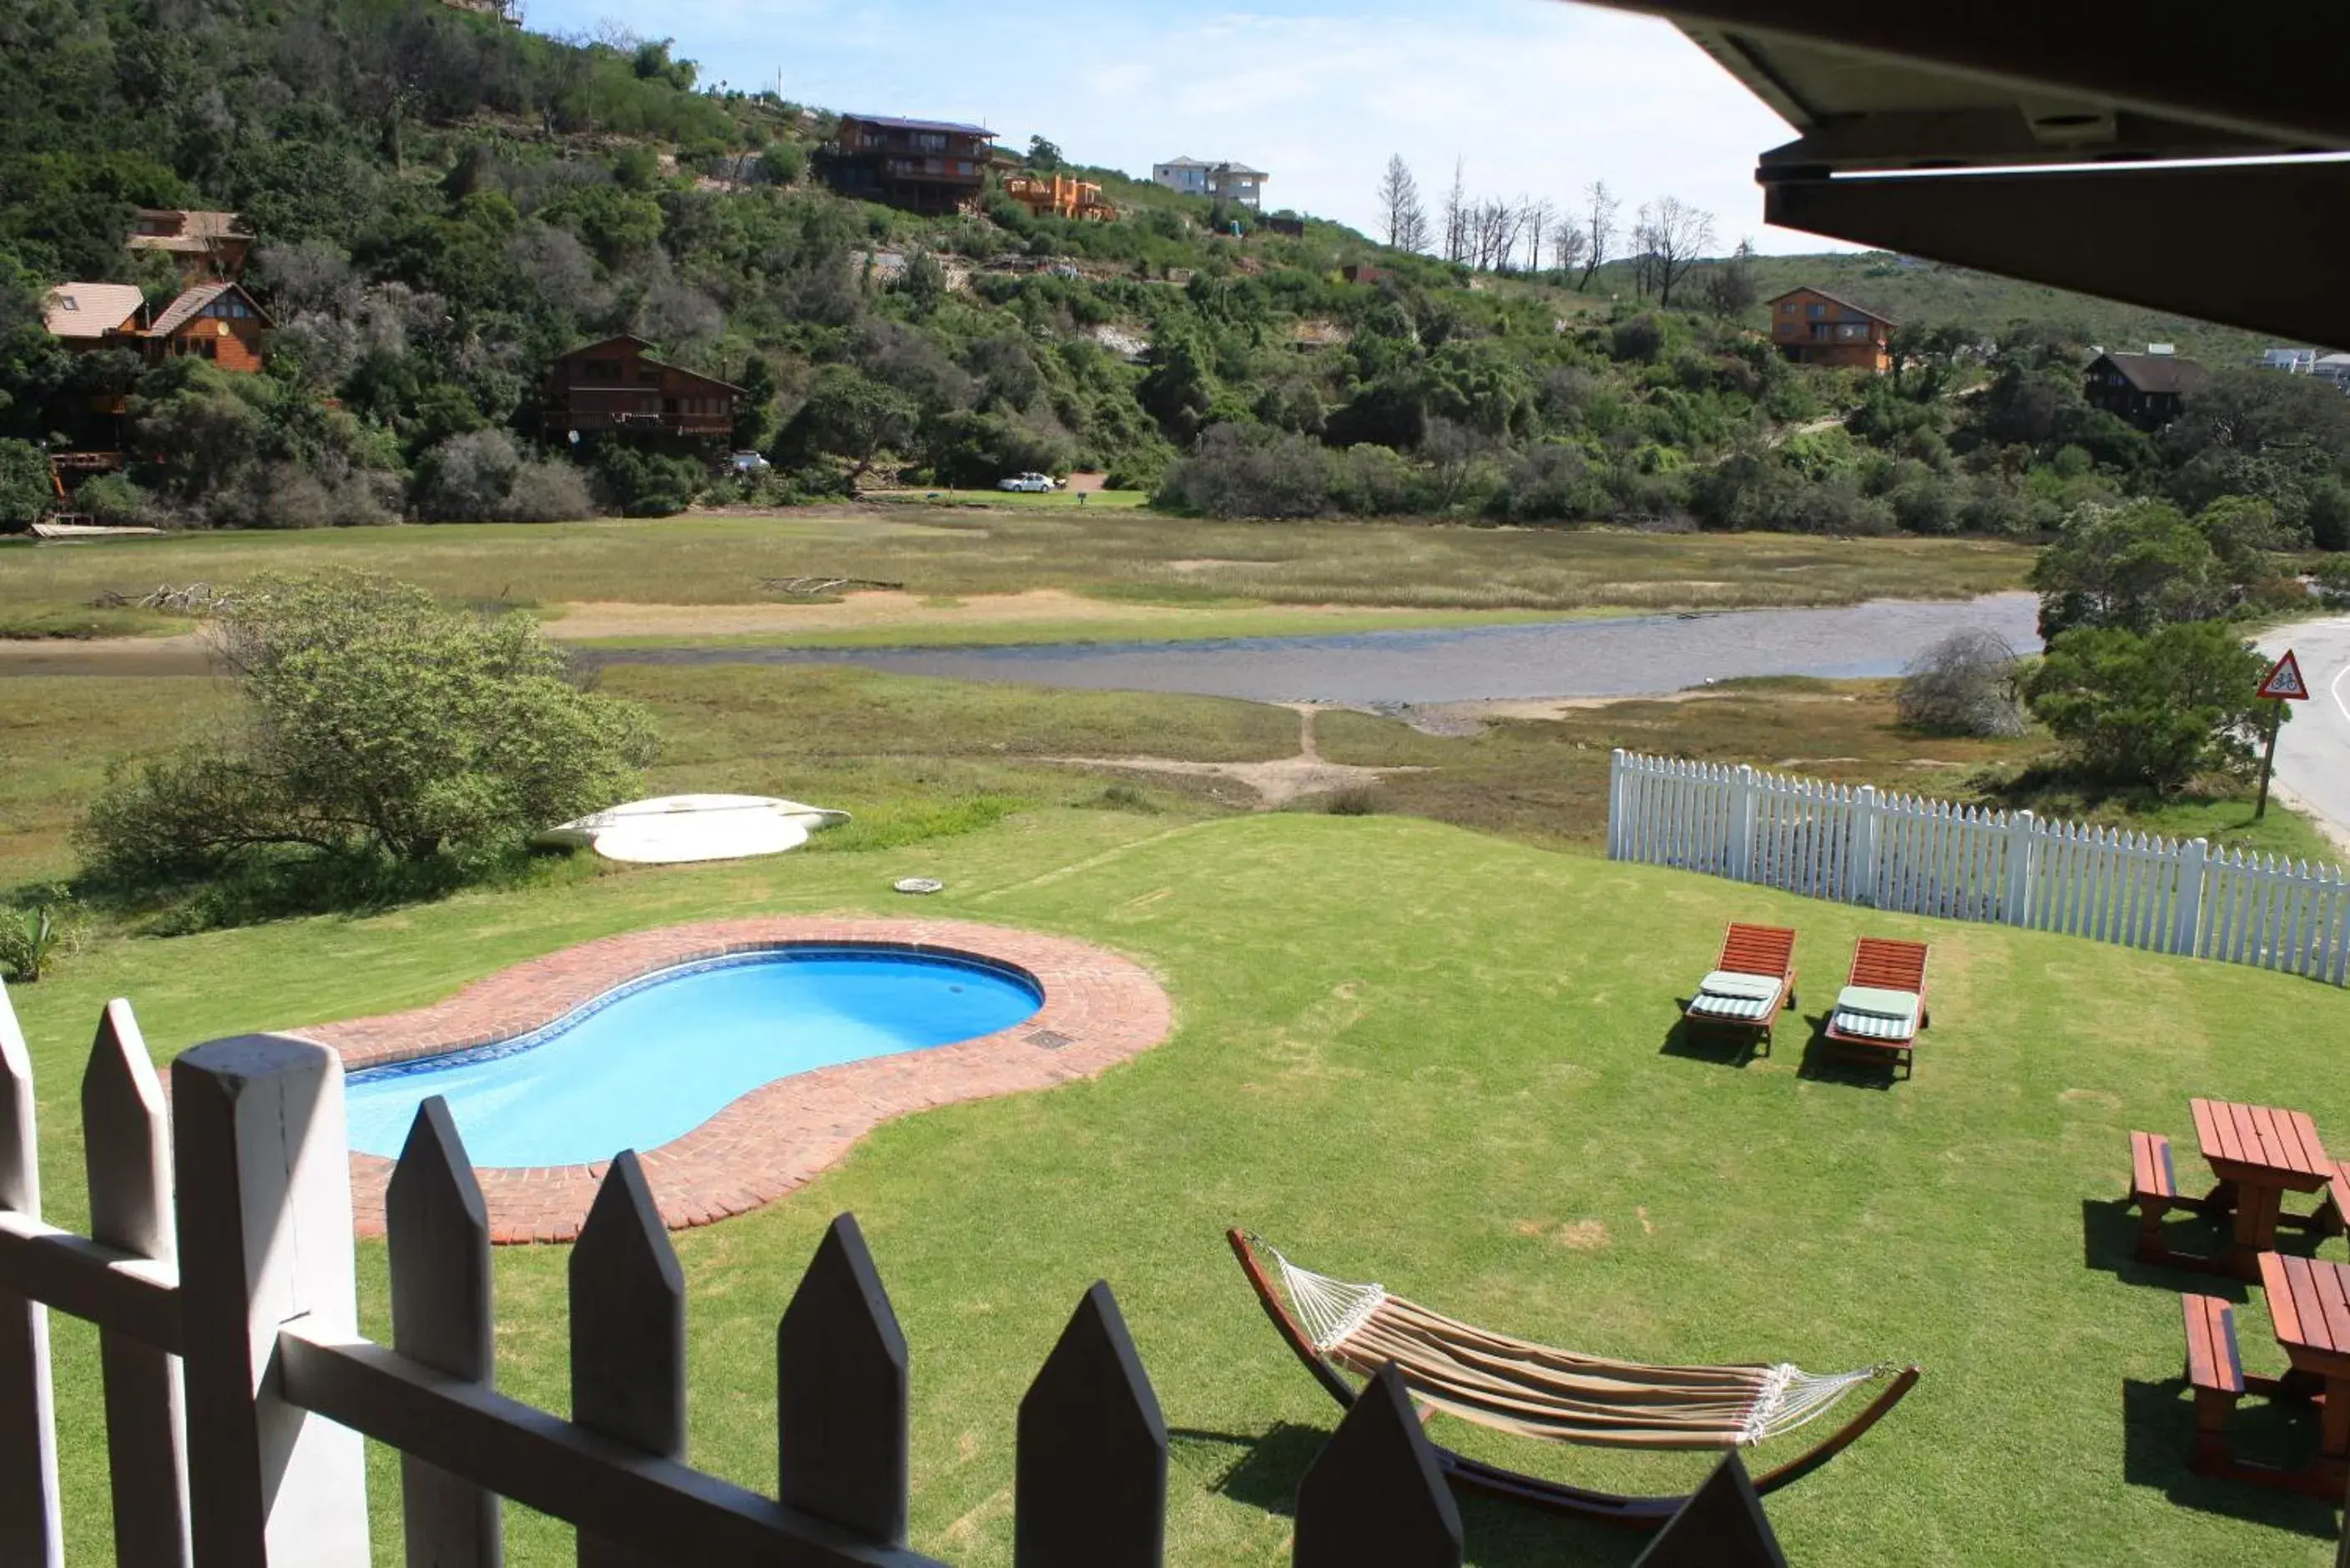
(617, 386)
(1812, 327)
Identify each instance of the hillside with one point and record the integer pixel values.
(442, 205)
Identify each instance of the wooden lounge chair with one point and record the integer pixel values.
(1749, 984)
(1554, 1396)
(1882, 1007)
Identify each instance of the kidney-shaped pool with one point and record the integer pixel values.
(655, 1058)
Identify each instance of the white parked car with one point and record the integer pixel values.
(747, 463)
(1033, 483)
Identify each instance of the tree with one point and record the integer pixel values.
(380, 726)
(1539, 214)
(1728, 287)
(1456, 215)
(1044, 156)
(1401, 216)
(849, 416)
(24, 489)
(1599, 209)
(1963, 685)
(2136, 567)
(1568, 242)
(1672, 237)
(2158, 709)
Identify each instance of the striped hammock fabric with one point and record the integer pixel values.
(1558, 1395)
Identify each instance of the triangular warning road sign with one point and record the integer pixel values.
(2285, 683)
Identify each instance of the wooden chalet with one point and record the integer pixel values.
(217, 321)
(617, 386)
(1812, 327)
(2149, 390)
(206, 247)
(933, 166)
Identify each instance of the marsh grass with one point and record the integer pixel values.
(938, 552)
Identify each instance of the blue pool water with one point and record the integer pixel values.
(656, 1058)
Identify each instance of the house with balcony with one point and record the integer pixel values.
(1218, 181)
(207, 247)
(615, 386)
(1812, 327)
(930, 166)
(1060, 196)
(2148, 389)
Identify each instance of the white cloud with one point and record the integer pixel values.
(1537, 98)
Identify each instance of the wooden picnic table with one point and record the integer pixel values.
(2309, 1303)
(2258, 1153)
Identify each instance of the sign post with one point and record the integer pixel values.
(2284, 684)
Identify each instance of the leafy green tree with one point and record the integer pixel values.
(24, 489)
(379, 726)
(1181, 388)
(754, 413)
(2158, 709)
(851, 417)
(2136, 567)
(1042, 155)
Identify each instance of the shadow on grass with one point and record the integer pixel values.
(1825, 1062)
(2109, 1245)
(2158, 1437)
(1725, 1046)
(1265, 1468)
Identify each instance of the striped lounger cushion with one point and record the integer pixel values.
(1875, 1015)
(1743, 998)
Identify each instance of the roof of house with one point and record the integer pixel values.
(641, 344)
(1832, 299)
(90, 309)
(892, 122)
(1186, 161)
(194, 232)
(194, 303)
(2155, 372)
(1243, 170)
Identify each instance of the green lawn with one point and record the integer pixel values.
(1440, 1059)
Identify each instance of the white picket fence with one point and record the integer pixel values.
(1920, 856)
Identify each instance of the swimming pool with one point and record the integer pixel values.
(652, 1059)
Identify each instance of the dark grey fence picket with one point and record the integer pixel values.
(1374, 1494)
(843, 1448)
(628, 1334)
(1091, 1484)
(1722, 1526)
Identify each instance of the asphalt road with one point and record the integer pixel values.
(2313, 752)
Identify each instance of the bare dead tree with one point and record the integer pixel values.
(1494, 228)
(1456, 215)
(1678, 236)
(1728, 287)
(1539, 213)
(1599, 209)
(1568, 242)
(1400, 211)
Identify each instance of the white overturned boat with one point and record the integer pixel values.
(678, 829)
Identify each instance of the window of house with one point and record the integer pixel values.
(1815, 311)
(1786, 307)
(602, 369)
(669, 405)
(648, 376)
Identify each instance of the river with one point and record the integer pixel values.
(1626, 657)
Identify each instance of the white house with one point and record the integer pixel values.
(1198, 177)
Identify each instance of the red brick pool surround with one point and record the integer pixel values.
(1099, 1010)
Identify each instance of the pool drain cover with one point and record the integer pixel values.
(1051, 1039)
(918, 884)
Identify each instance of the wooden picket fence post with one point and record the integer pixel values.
(1912, 856)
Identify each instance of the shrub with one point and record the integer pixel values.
(113, 498)
(2333, 580)
(1963, 685)
(480, 477)
(1239, 472)
(25, 490)
(2158, 709)
(2136, 566)
(380, 728)
(647, 484)
(34, 936)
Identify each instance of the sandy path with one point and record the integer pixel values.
(1276, 782)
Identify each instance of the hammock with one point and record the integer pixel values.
(1552, 1395)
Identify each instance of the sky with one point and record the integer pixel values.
(1535, 98)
